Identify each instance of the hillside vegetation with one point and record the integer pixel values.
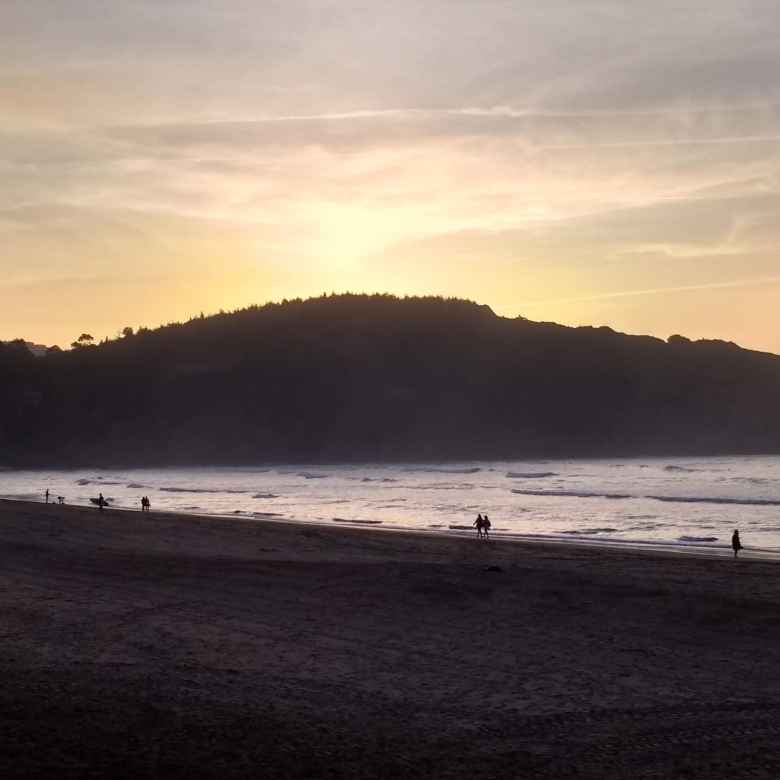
(376, 377)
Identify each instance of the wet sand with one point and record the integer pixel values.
(169, 646)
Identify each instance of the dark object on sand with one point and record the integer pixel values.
(494, 568)
(736, 544)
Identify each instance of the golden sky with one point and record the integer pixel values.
(598, 162)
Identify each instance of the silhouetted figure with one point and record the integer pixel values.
(101, 502)
(736, 544)
(478, 525)
(60, 500)
(486, 526)
(146, 504)
(47, 495)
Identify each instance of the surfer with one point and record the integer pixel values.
(101, 502)
(736, 544)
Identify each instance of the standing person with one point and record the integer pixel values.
(101, 502)
(148, 504)
(47, 495)
(478, 525)
(143, 503)
(736, 544)
(486, 526)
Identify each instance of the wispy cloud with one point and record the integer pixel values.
(552, 152)
(655, 291)
(745, 139)
(496, 112)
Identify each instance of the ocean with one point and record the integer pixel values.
(669, 502)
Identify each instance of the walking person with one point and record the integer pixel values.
(47, 495)
(478, 524)
(736, 544)
(486, 526)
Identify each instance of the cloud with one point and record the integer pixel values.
(768, 280)
(508, 151)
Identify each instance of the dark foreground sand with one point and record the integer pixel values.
(161, 646)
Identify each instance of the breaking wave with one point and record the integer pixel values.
(443, 486)
(357, 522)
(198, 490)
(711, 500)
(590, 531)
(665, 499)
(530, 474)
(697, 538)
(570, 494)
(431, 470)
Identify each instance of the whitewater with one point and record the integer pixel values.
(671, 502)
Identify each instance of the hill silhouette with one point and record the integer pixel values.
(355, 377)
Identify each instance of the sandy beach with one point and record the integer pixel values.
(156, 645)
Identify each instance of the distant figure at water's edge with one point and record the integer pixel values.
(736, 544)
(478, 524)
(486, 526)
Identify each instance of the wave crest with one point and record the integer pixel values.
(571, 494)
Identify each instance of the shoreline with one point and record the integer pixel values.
(641, 547)
(152, 644)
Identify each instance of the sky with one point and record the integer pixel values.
(593, 163)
